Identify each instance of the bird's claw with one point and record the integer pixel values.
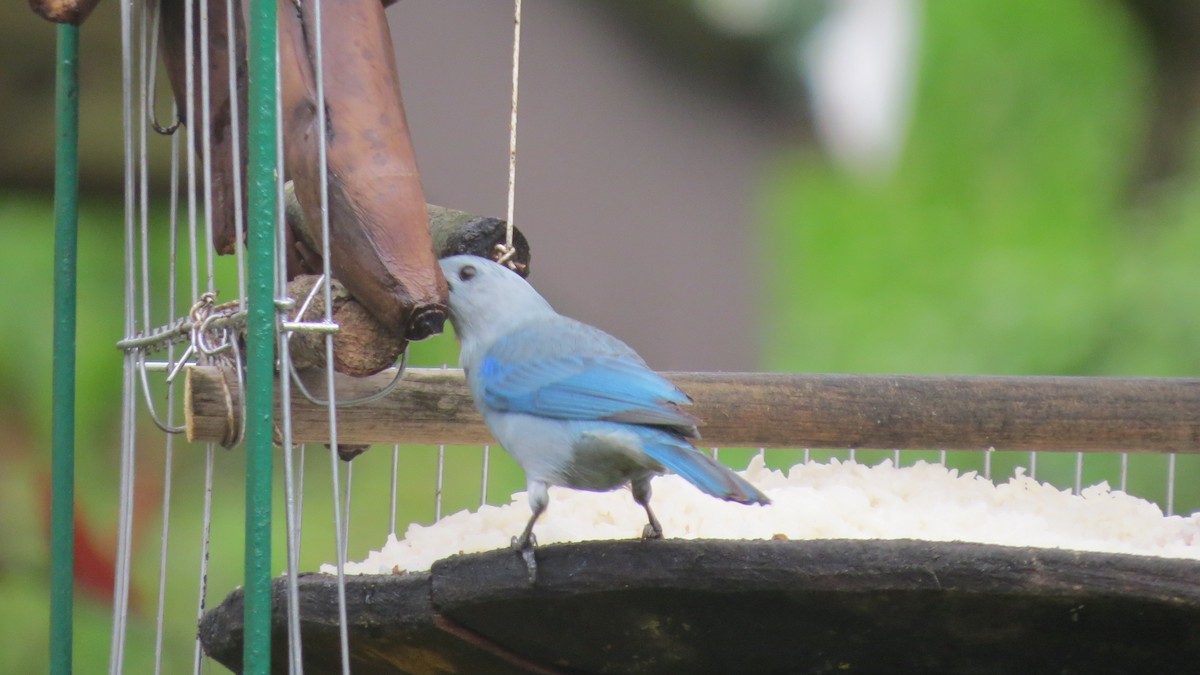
(651, 532)
(525, 546)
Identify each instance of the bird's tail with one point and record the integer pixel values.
(700, 469)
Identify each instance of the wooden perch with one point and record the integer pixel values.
(780, 410)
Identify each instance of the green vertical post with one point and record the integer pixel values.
(260, 334)
(66, 235)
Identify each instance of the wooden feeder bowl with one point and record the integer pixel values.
(818, 606)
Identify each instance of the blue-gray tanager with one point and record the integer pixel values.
(573, 405)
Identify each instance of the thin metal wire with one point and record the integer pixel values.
(1079, 472)
(441, 475)
(1033, 465)
(896, 458)
(239, 222)
(143, 200)
(350, 402)
(240, 369)
(168, 461)
(169, 451)
(396, 480)
(292, 499)
(852, 455)
(1171, 483)
(807, 455)
(124, 529)
(1124, 471)
(987, 464)
(143, 178)
(128, 408)
(205, 539)
(189, 113)
(146, 395)
(295, 375)
(483, 487)
(206, 144)
(322, 163)
(300, 499)
(346, 510)
(942, 457)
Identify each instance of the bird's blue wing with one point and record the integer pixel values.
(588, 378)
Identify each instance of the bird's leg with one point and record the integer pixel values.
(641, 495)
(539, 497)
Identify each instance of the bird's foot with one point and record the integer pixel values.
(525, 546)
(651, 532)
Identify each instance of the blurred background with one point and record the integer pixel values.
(888, 186)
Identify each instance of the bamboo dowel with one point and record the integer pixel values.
(774, 410)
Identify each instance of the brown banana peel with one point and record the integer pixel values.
(380, 246)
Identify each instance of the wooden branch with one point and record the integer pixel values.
(773, 410)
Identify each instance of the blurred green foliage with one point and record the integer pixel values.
(1002, 245)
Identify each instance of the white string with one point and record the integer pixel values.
(509, 251)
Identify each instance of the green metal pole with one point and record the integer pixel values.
(260, 334)
(66, 231)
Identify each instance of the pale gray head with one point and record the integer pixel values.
(487, 299)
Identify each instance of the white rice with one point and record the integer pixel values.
(838, 500)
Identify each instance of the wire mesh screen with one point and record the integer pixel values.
(185, 312)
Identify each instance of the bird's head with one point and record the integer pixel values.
(487, 299)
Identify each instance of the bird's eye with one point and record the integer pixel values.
(467, 273)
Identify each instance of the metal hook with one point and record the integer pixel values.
(151, 85)
(141, 367)
(391, 386)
